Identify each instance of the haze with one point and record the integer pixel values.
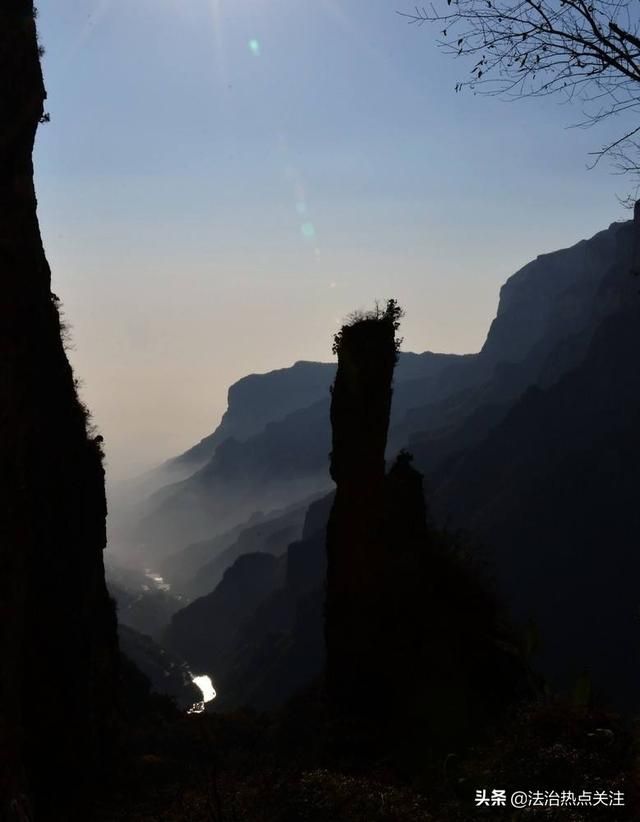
(221, 182)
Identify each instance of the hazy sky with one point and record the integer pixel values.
(223, 180)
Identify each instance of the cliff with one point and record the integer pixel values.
(360, 410)
(256, 400)
(56, 621)
(270, 448)
(552, 489)
(547, 313)
(416, 640)
(266, 454)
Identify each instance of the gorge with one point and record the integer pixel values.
(376, 582)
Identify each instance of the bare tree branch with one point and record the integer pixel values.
(588, 51)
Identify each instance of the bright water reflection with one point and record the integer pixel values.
(208, 693)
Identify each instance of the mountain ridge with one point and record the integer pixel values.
(542, 307)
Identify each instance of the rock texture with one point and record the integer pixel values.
(58, 641)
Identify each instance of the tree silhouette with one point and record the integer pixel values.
(390, 314)
(586, 50)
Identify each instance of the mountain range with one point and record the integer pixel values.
(528, 446)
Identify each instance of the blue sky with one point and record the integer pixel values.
(223, 180)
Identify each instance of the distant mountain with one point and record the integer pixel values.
(259, 633)
(258, 399)
(552, 297)
(271, 449)
(141, 604)
(196, 570)
(284, 463)
(552, 492)
(579, 288)
(279, 467)
(533, 449)
(207, 628)
(546, 315)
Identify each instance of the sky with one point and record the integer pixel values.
(223, 181)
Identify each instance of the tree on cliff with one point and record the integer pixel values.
(586, 50)
(391, 314)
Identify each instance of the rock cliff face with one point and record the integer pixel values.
(360, 410)
(415, 639)
(258, 399)
(552, 489)
(270, 448)
(57, 627)
(270, 451)
(547, 313)
(552, 297)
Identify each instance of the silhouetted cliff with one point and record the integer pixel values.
(270, 448)
(360, 410)
(552, 489)
(416, 640)
(407, 617)
(547, 313)
(256, 400)
(57, 626)
(267, 453)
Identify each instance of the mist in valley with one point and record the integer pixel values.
(319, 443)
